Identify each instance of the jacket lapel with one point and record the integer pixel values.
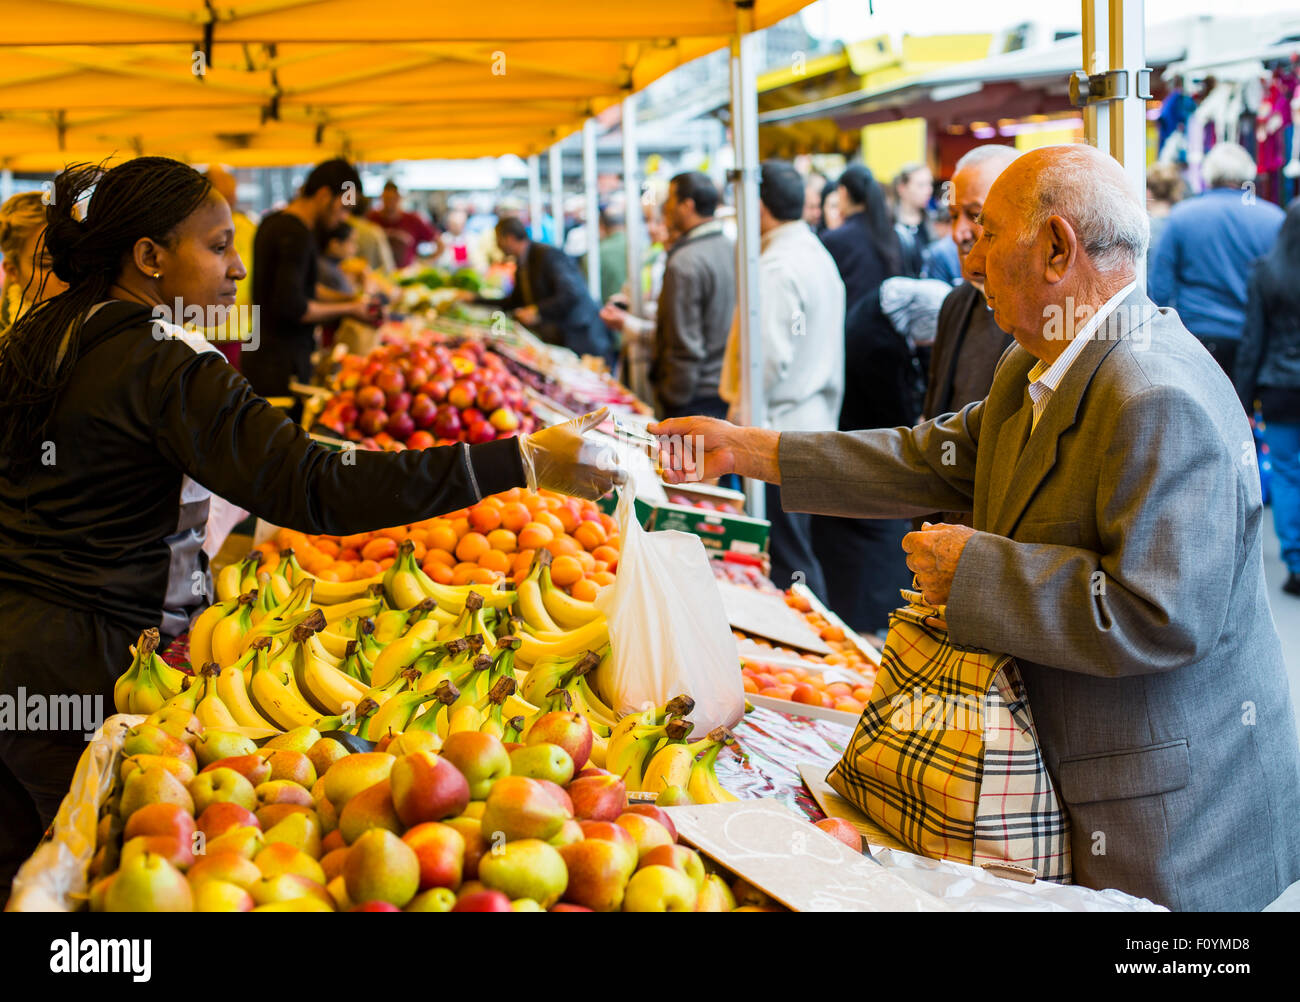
(1039, 454)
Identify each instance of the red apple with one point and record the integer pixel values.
(483, 901)
(447, 423)
(488, 398)
(372, 421)
(421, 440)
(462, 394)
(390, 380)
(399, 403)
(569, 730)
(370, 398)
(469, 415)
(375, 906)
(480, 431)
(400, 426)
(598, 798)
(423, 411)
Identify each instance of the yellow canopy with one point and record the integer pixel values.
(297, 81)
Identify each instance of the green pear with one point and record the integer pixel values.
(270, 815)
(299, 739)
(287, 763)
(222, 785)
(154, 785)
(381, 867)
(371, 808)
(660, 889)
(409, 742)
(526, 868)
(525, 905)
(178, 722)
(329, 817)
(673, 796)
(212, 746)
(338, 889)
(224, 866)
(435, 899)
(475, 845)
(542, 761)
(150, 739)
(300, 830)
(307, 904)
(325, 752)
(148, 883)
(349, 776)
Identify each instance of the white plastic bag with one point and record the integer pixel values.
(668, 627)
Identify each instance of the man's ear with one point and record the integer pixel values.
(147, 257)
(1062, 246)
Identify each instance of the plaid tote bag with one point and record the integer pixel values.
(945, 756)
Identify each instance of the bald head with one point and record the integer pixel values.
(1089, 190)
(223, 182)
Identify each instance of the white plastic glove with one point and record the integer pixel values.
(559, 459)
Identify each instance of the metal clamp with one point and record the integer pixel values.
(1111, 85)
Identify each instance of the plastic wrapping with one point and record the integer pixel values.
(54, 878)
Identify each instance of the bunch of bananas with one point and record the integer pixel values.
(150, 681)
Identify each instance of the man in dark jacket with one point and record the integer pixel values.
(967, 343)
(549, 297)
(696, 303)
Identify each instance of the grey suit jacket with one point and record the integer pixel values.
(1119, 559)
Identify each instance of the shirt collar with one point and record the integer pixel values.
(1044, 376)
(781, 232)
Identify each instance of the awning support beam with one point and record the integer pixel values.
(593, 207)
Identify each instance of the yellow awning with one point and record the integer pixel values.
(296, 81)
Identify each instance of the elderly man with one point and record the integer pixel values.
(1116, 549)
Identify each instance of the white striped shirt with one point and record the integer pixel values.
(1044, 379)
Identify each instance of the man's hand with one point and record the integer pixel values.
(700, 448)
(932, 555)
(613, 316)
(527, 315)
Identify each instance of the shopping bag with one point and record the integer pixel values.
(668, 628)
(945, 757)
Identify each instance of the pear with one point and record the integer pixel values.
(181, 770)
(292, 765)
(329, 817)
(148, 883)
(299, 830)
(222, 785)
(150, 739)
(525, 905)
(435, 899)
(409, 742)
(281, 791)
(381, 867)
(220, 896)
(299, 739)
(225, 867)
(179, 854)
(281, 857)
(270, 815)
(527, 868)
(246, 840)
(371, 808)
(673, 796)
(178, 722)
(522, 808)
(307, 904)
(211, 746)
(325, 752)
(153, 785)
(475, 845)
(338, 889)
(289, 887)
(332, 863)
(349, 776)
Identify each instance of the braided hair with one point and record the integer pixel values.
(147, 197)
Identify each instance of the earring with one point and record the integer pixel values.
(157, 274)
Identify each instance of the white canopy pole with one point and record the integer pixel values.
(633, 221)
(557, 193)
(593, 207)
(744, 136)
(535, 196)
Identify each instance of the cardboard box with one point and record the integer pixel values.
(717, 531)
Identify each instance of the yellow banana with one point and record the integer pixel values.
(703, 785)
(336, 592)
(214, 713)
(368, 605)
(228, 583)
(227, 638)
(273, 699)
(465, 718)
(569, 612)
(335, 644)
(233, 690)
(325, 685)
(671, 765)
(593, 636)
(531, 607)
(401, 652)
(202, 627)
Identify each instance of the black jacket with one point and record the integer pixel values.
(112, 525)
(1269, 355)
(880, 375)
(549, 279)
(861, 264)
(967, 346)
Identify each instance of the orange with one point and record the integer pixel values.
(568, 517)
(441, 556)
(614, 541)
(472, 546)
(862, 694)
(355, 541)
(585, 590)
(849, 706)
(343, 572)
(603, 578)
(565, 571)
(397, 533)
(514, 516)
(564, 546)
(588, 562)
(484, 518)
(288, 539)
(330, 550)
(534, 535)
(439, 571)
(494, 501)
(750, 685)
(606, 553)
(462, 573)
(495, 560)
(386, 563)
(590, 535)
(442, 536)
(419, 536)
(522, 561)
(367, 569)
(484, 576)
(550, 520)
(608, 523)
(778, 691)
(535, 503)
(460, 526)
(329, 574)
(349, 555)
(379, 548)
(503, 540)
